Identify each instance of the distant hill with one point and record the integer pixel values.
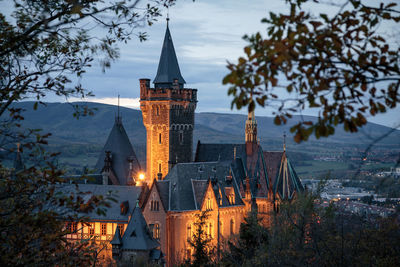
(92, 131)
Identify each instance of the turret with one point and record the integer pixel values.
(251, 133)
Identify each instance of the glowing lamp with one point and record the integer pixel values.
(141, 176)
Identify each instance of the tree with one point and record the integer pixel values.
(304, 233)
(340, 66)
(201, 242)
(45, 48)
(250, 245)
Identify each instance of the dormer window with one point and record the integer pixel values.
(230, 194)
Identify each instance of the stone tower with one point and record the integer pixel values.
(168, 115)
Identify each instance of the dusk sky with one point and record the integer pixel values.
(206, 34)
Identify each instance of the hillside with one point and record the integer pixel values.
(87, 134)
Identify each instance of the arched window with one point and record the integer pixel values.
(210, 234)
(159, 167)
(159, 138)
(232, 226)
(157, 110)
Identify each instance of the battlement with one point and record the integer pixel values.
(174, 93)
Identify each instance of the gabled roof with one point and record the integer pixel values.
(262, 168)
(121, 152)
(188, 183)
(287, 182)
(168, 67)
(117, 240)
(162, 188)
(137, 235)
(199, 189)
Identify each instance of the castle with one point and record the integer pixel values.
(227, 180)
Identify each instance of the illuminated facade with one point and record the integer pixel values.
(227, 180)
(168, 115)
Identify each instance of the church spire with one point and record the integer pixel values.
(168, 68)
(251, 128)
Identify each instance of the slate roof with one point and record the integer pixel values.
(273, 159)
(287, 182)
(117, 240)
(187, 184)
(119, 193)
(262, 168)
(168, 67)
(121, 151)
(163, 190)
(215, 152)
(137, 235)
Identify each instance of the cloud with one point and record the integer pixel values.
(123, 102)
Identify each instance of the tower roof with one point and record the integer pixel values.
(117, 238)
(137, 235)
(168, 67)
(121, 153)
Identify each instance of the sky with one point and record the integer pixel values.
(206, 35)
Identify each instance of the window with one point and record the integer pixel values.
(221, 230)
(103, 229)
(209, 204)
(181, 137)
(155, 230)
(159, 167)
(155, 205)
(189, 231)
(156, 233)
(120, 229)
(74, 227)
(232, 199)
(91, 229)
(232, 226)
(157, 111)
(159, 138)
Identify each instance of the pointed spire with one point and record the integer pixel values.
(168, 71)
(284, 141)
(118, 119)
(18, 163)
(117, 240)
